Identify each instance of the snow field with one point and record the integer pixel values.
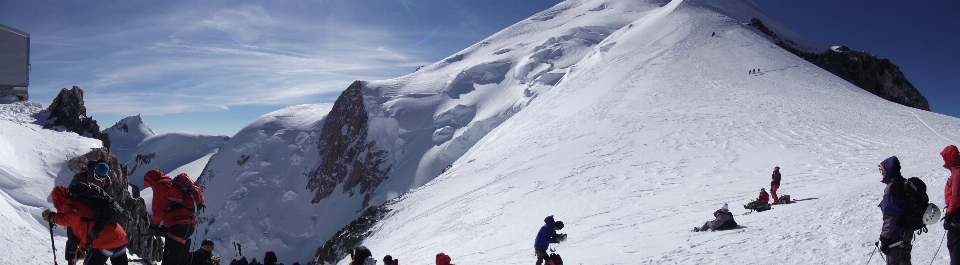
(654, 131)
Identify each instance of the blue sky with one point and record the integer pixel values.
(214, 66)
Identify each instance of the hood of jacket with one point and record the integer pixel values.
(891, 169)
(443, 259)
(152, 177)
(549, 221)
(59, 197)
(951, 157)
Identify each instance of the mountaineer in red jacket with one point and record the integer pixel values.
(764, 198)
(110, 243)
(951, 195)
(178, 221)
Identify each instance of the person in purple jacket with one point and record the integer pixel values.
(548, 234)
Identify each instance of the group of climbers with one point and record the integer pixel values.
(96, 236)
(92, 218)
(723, 218)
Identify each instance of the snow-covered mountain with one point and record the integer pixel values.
(32, 161)
(126, 135)
(138, 147)
(631, 120)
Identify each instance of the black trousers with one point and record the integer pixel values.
(953, 245)
(174, 252)
(97, 257)
(70, 250)
(900, 255)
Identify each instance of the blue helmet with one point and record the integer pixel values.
(101, 171)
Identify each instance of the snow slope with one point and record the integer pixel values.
(656, 128)
(626, 119)
(137, 146)
(170, 151)
(425, 121)
(32, 161)
(254, 183)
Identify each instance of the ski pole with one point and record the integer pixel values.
(871, 255)
(877, 246)
(938, 247)
(53, 244)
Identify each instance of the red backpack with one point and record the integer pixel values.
(192, 196)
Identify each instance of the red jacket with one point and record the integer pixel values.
(951, 192)
(163, 188)
(764, 197)
(70, 214)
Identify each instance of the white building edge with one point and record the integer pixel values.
(14, 62)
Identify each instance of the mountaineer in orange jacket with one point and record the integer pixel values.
(110, 243)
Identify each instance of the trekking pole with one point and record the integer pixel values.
(877, 247)
(938, 247)
(871, 255)
(53, 245)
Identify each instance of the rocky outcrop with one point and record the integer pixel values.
(67, 110)
(875, 75)
(348, 238)
(346, 155)
(147, 247)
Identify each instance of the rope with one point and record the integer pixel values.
(871, 255)
(938, 247)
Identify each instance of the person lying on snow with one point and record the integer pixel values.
(723, 220)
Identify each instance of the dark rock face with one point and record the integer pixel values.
(346, 156)
(875, 75)
(147, 247)
(68, 111)
(348, 238)
(142, 160)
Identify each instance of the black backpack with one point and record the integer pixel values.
(556, 259)
(915, 203)
(104, 206)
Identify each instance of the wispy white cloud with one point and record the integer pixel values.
(236, 55)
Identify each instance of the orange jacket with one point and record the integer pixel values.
(951, 192)
(71, 213)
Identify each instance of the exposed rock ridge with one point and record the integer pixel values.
(67, 110)
(875, 75)
(348, 238)
(137, 221)
(345, 154)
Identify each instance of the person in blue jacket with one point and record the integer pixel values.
(548, 234)
(894, 242)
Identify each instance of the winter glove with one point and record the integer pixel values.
(153, 230)
(48, 215)
(947, 221)
(883, 247)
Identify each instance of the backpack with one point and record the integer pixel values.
(555, 259)
(192, 195)
(107, 209)
(915, 203)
